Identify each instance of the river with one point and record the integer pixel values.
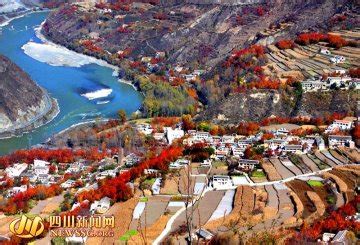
(84, 93)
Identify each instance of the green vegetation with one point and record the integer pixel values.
(321, 165)
(126, 237)
(331, 199)
(218, 164)
(162, 99)
(58, 241)
(143, 199)
(315, 183)
(258, 174)
(147, 184)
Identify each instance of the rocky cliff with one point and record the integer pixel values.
(23, 104)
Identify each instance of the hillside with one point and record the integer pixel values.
(23, 104)
(230, 42)
(257, 105)
(188, 31)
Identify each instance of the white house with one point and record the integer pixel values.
(337, 59)
(41, 167)
(74, 168)
(325, 51)
(206, 163)
(159, 136)
(293, 149)
(243, 144)
(320, 143)
(338, 81)
(200, 136)
(221, 152)
(228, 139)
(204, 234)
(343, 124)
(16, 170)
(341, 238)
(15, 190)
(100, 207)
(173, 134)
(274, 144)
(149, 171)
(144, 128)
(340, 140)
(221, 182)
(312, 85)
(248, 164)
(131, 160)
(190, 77)
(237, 151)
(179, 163)
(68, 184)
(160, 54)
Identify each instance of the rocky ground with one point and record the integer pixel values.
(257, 105)
(189, 31)
(23, 104)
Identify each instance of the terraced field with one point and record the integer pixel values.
(281, 169)
(308, 61)
(310, 163)
(283, 203)
(155, 207)
(270, 170)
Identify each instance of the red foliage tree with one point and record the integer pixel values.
(285, 44)
(336, 41)
(355, 72)
(312, 37)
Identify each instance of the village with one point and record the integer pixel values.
(170, 173)
(293, 178)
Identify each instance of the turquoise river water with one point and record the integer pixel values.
(66, 84)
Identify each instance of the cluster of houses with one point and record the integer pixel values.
(340, 140)
(39, 173)
(342, 82)
(335, 59)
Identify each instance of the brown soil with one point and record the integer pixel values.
(123, 215)
(270, 171)
(300, 188)
(171, 186)
(151, 232)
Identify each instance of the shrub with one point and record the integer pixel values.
(285, 44)
(336, 41)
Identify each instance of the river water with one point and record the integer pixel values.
(84, 93)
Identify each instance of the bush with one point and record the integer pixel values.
(336, 41)
(285, 44)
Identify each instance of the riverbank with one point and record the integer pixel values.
(41, 119)
(79, 90)
(20, 15)
(24, 103)
(88, 58)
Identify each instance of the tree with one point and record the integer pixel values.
(122, 116)
(285, 44)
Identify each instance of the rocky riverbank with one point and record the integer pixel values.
(23, 104)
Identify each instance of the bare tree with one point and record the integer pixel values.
(191, 202)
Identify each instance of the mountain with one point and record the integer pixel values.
(210, 35)
(23, 104)
(203, 32)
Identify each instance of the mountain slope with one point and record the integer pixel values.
(23, 104)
